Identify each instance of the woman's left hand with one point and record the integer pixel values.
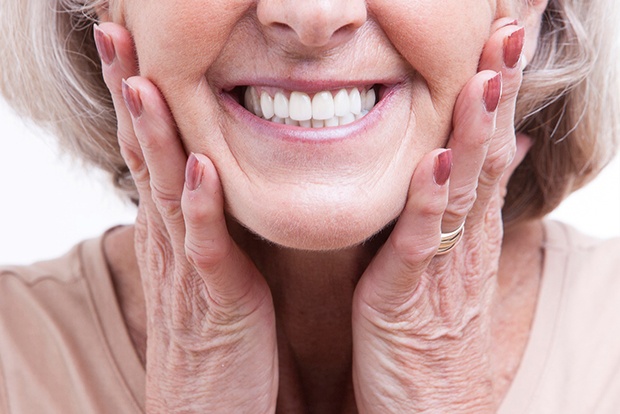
(421, 322)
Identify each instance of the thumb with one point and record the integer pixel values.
(230, 276)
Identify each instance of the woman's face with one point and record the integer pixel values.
(298, 186)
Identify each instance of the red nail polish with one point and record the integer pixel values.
(493, 92)
(105, 46)
(513, 46)
(193, 173)
(443, 167)
(132, 100)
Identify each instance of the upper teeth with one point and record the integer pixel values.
(324, 109)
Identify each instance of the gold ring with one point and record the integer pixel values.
(449, 240)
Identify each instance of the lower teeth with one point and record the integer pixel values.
(315, 123)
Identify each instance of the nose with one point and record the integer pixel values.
(313, 23)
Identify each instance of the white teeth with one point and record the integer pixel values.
(324, 109)
(355, 101)
(289, 121)
(252, 101)
(331, 122)
(369, 100)
(280, 105)
(323, 106)
(300, 106)
(318, 123)
(266, 105)
(347, 119)
(342, 105)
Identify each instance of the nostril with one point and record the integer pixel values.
(316, 24)
(281, 26)
(345, 29)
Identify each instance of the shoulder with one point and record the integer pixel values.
(41, 286)
(581, 253)
(62, 331)
(573, 353)
(65, 269)
(580, 307)
(585, 273)
(36, 299)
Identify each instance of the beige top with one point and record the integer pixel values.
(64, 347)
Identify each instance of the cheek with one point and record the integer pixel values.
(176, 40)
(442, 40)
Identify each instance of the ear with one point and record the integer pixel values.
(530, 16)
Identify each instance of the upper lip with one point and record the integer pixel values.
(306, 85)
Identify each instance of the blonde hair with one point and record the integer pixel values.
(51, 74)
(568, 103)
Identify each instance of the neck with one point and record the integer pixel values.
(312, 293)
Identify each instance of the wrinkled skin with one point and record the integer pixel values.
(217, 312)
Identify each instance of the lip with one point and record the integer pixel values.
(315, 135)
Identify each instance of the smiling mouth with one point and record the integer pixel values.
(322, 109)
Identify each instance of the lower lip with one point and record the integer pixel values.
(299, 134)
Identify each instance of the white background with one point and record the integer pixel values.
(48, 203)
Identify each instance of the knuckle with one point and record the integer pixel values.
(197, 212)
(488, 179)
(168, 204)
(151, 144)
(129, 152)
(207, 254)
(140, 173)
(497, 163)
(414, 251)
(431, 209)
(461, 204)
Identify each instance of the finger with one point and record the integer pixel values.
(118, 62)
(394, 273)
(502, 52)
(163, 152)
(474, 123)
(229, 275)
(523, 144)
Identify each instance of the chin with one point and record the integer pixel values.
(322, 227)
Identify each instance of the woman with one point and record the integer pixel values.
(286, 263)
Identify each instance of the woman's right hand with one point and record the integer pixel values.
(210, 319)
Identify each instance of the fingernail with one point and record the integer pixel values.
(513, 46)
(493, 92)
(193, 173)
(105, 46)
(132, 100)
(443, 167)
